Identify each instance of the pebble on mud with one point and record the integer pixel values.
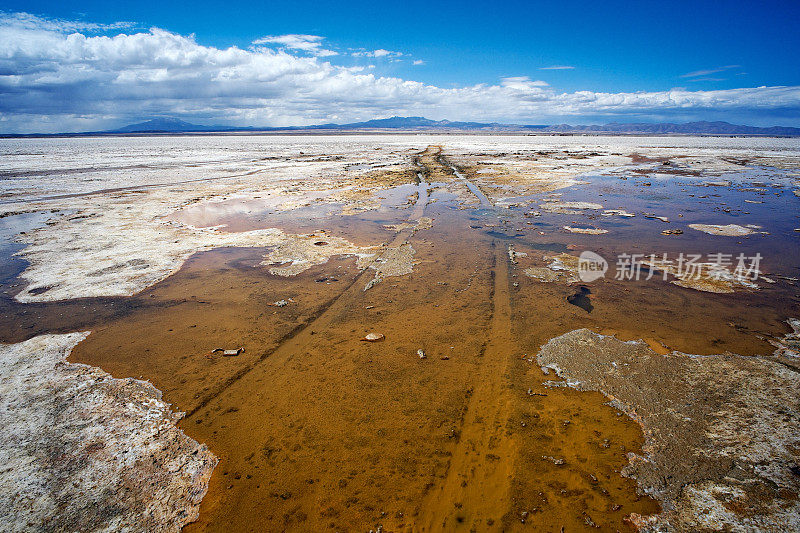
(228, 353)
(374, 337)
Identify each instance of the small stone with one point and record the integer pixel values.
(374, 337)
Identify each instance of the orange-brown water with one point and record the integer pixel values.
(318, 430)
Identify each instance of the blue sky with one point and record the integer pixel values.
(470, 60)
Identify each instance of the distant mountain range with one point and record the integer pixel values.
(688, 128)
(421, 124)
(172, 125)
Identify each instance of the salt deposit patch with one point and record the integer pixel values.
(394, 261)
(298, 253)
(730, 230)
(720, 436)
(83, 451)
(116, 253)
(585, 231)
(569, 208)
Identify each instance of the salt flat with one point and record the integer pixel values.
(463, 246)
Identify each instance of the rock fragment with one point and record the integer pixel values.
(617, 212)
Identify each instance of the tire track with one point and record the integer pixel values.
(324, 315)
(475, 493)
(485, 202)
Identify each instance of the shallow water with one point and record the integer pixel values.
(316, 429)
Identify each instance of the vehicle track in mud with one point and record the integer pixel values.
(294, 338)
(477, 483)
(484, 201)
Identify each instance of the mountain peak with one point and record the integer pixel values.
(160, 124)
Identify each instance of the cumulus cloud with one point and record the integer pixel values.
(418, 62)
(311, 44)
(522, 83)
(60, 77)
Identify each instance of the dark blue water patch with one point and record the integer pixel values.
(504, 236)
(11, 265)
(581, 299)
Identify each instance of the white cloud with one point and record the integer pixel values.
(32, 22)
(705, 79)
(58, 77)
(380, 52)
(706, 72)
(311, 44)
(558, 67)
(418, 62)
(522, 83)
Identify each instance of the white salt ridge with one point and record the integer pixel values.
(585, 231)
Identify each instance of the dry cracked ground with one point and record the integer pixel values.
(394, 333)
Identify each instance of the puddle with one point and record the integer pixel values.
(581, 299)
(11, 265)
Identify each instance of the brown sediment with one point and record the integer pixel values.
(475, 492)
(639, 159)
